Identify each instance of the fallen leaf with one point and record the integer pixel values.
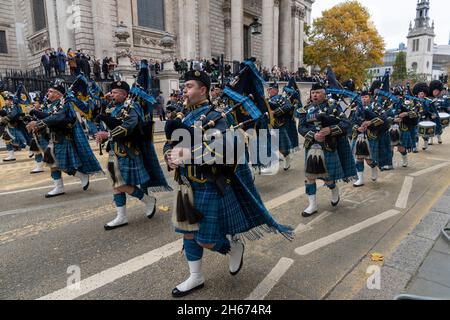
(164, 208)
(377, 257)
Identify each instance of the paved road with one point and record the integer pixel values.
(40, 239)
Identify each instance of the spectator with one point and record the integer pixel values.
(71, 57)
(111, 65)
(54, 62)
(62, 58)
(45, 61)
(160, 107)
(105, 68)
(97, 68)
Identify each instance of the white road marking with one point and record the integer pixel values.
(307, 227)
(302, 228)
(430, 169)
(54, 205)
(112, 274)
(263, 289)
(438, 159)
(316, 245)
(46, 187)
(295, 194)
(402, 201)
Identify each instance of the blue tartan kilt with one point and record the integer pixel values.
(92, 128)
(42, 142)
(133, 171)
(20, 139)
(285, 143)
(222, 216)
(374, 146)
(66, 157)
(385, 153)
(407, 139)
(293, 134)
(439, 128)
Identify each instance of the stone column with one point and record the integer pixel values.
(180, 37)
(204, 29)
(286, 34)
(227, 28)
(66, 24)
(302, 15)
(102, 28)
(237, 30)
(267, 32)
(295, 37)
(52, 23)
(276, 28)
(190, 30)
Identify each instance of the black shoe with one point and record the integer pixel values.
(86, 187)
(334, 204)
(49, 196)
(307, 215)
(180, 294)
(109, 228)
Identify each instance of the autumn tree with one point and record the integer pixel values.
(346, 38)
(400, 72)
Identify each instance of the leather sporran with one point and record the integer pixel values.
(315, 163)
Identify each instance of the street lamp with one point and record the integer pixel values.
(256, 27)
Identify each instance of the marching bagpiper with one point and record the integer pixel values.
(68, 149)
(283, 112)
(328, 154)
(367, 125)
(217, 202)
(133, 165)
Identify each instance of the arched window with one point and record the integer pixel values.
(39, 16)
(414, 66)
(150, 14)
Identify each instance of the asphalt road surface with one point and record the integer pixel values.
(46, 244)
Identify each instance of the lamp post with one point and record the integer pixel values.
(255, 27)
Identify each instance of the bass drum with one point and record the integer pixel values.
(427, 129)
(445, 119)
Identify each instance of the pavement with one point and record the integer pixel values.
(57, 248)
(419, 269)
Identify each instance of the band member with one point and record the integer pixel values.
(68, 150)
(224, 204)
(366, 133)
(216, 93)
(328, 154)
(284, 120)
(39, 140)
(15, 134)
(441, 103)
(132, 165)
(425, 108)
(407, 119)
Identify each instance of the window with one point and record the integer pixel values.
(3, 44)
(429, 45)
(414, 66)
(39, 19)
(150, 14)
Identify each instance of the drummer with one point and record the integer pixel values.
(428, 115)
(441, 103)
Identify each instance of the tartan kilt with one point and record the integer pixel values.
(407, 139)
(385, 150)
(285, 143)
(42, 142)
(346, 158)
(92, 128)
(293, 134)
(20, 140)
(66, 157)
(374, 146)
(439, 128)
(133, 170)
(222, 216)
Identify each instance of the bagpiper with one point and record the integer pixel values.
(327, 150)
(441, 103)
(68, 149)
(133, 165)
(217, 202)
(367, 125)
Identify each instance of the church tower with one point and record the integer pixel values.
(420, 41)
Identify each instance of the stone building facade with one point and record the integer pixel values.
(200, 28)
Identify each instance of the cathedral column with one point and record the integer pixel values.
(296, 37)
(302, 15)
(286, 34)
(205, 29)
(237, 30)
(276, 28)
(267, 32)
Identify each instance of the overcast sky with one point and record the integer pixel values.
(392, 17)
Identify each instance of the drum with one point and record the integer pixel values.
(427, 129)
(445, 119)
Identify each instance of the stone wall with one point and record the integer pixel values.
(8, 24)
